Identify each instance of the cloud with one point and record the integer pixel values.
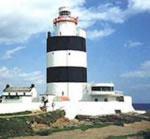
(141, 86)
(17, 77)
(17, 74)
(146, 65)
(103, 12)
(98, 34)
(139, 5)
(22, 19)
(143, 72)
(132, 44)
(11, 52)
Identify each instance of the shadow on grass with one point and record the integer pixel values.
(144, 134)
(81, 127)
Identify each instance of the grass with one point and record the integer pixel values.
(144, 134)
(81, 127)
(22, 126)
(18, 135)
(16, 126)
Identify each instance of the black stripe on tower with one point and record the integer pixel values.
(66, 74)
(65, 43)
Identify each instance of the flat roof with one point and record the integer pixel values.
(103, 84)
(17, 89)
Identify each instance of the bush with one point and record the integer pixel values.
(43, 132)
(16, 126)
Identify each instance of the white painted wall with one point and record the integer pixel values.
(66, 58)
(73, 90)
(26, 99)
(4, 100)
(65, 29)
(72, 108)
(15, 107)
(34, 93)
(93, 108)
(81, 33)
(22, 99)
(101, 98)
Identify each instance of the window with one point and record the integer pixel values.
(120, 98)
(96, 99)
(107, 88)
(98, 88)
(64, 13)
(95, 88)
(105, 99)
(117, 111)
(12, 97)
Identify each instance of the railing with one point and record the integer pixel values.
(102, 93)
(114, 93)
(119, 92)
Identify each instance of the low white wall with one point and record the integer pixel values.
(92, 108)
(73, 108)
(20, 107)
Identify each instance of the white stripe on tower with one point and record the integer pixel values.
(66, 58)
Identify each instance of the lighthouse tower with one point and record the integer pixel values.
(66, 58)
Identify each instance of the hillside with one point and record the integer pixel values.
(54, 124)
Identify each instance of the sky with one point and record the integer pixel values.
(118, 44)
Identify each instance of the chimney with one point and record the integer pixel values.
(32, 86)
(49, 34)
(7, 86)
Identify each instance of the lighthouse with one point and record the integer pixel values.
(67, 86)
(66, 57)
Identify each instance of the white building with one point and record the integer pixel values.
(19, 94)
(18, 99)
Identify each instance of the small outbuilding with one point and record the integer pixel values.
(19, 94)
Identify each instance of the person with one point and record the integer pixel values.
(45, 101)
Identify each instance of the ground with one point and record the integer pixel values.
(53, 125)
(97, 133)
